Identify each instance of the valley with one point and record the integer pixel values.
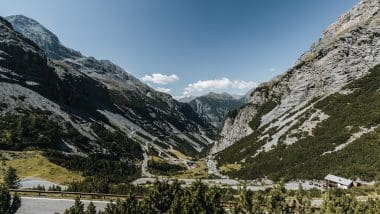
(86, 125)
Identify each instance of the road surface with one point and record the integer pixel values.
(35, 205)
(32, 182)
(212, 168)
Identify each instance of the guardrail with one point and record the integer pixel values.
(98, 195)
(63, 193)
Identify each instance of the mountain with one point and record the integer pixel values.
(319, 117)
(214, 107)
(42, 36)
(86, 114)
(186, 99)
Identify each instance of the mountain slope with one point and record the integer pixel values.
(86, 115)
(214, 107)
(46, 105)
(284, 129)
(141, 112)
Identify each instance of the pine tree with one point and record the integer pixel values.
(129, 206)
(11, 179)
(213, 201)
(258, 202)
(301, 203)
(160, 197)
(196, 198)
(245, 203)
(8, 205)
(179, 198)
(276, 202)
(91, 208)
(77, 208)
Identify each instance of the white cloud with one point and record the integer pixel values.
(165, 90)
(218, 84)
(161, 79)
(272, 69)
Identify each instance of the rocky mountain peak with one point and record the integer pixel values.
(44, 38)
(221, 96)
(214, 107)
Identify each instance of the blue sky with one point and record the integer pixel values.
(189, 47)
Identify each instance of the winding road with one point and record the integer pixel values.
(35, 205)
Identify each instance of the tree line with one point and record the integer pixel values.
(173, 198)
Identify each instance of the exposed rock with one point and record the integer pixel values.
(214, 107)
(75, 86)
(347, 50)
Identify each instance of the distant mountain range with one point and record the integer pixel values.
(214, 107)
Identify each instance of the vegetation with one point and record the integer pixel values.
(29, 130)
(8, 204)
(100, 165)
(160, 166)
(198, 171)
(230, 167)
(34, 164)
(337, 201)
(78, 208)
(163, 197)
(102, 185)
(307, 158)
(169, 198)
(117, 143)
(37, 130)
(261, 111)
(11, 179)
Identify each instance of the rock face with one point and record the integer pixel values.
(82, 90)
(214, 107)
(42, 36)
(347, 50)
(319, 117)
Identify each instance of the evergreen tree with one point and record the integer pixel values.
(11, 179)
(8, 205)
(245, 202)
(337, 201)
(301, 203)
(160, 197)
(258, 202)
(77, 208)
(91, 208)
(179, 197)
(196, 199)
(129, 206)
(213, 201)
(275, 202)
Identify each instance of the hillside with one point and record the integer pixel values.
(214, 107)
(86, 115)
(309, 121)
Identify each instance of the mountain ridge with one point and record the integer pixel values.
(348, 50)
(85, 109)
(214, 107)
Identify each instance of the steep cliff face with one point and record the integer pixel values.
(214, 107)
(283, 110)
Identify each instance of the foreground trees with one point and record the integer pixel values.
(200, 198)
(8, 204)
(11, 179)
